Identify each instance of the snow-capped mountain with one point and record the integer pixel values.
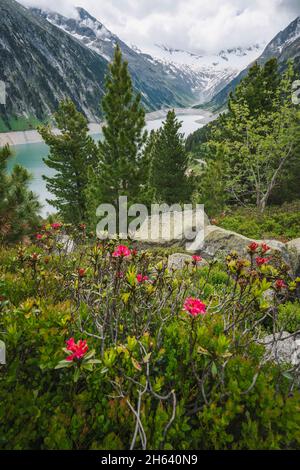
(159, 87)
(189, 77)
(284, 46)
(233, 59)
(208, 73)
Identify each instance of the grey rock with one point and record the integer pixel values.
(180, 260)
(172, 228)
(218, 242)
(293, 248)
(2, 353)
(66, 244)
(283, 348)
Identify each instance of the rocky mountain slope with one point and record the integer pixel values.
(46, 57)
(211, 72)
(159, 87)
(40, 65)
(189, 77)
(285, 46)
(43, 63)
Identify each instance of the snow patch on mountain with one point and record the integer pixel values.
(207, 74)
(235, 58)
(204, 75)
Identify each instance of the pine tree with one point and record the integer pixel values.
(19, 207)
(71, 154)
(120, 170)
(148, 193)
(169, 164)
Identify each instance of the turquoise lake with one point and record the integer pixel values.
(31, 157)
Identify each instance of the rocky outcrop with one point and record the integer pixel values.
(194, 234)
(283, 348)
(175, 228)
(294, 253)
(218, 242)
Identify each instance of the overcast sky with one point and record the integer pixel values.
(195, 25)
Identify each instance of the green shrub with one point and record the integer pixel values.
(196, 382)
(281, 223)
(289, 316)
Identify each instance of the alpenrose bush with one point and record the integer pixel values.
(107, 349)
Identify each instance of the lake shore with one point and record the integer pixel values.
(32, 136)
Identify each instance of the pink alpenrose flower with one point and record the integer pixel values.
(265, 248)
(280, 284)
(140, 278)
(78, 349)
(81, 272)
(252, 248)
(261, 261)
(194, 307)
(196, 259)
(56, 225)
(121, 251)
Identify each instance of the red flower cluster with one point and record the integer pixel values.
(56, 225)
(140, 278)
(78, 349)
(265, 248)
(254, 246)
(194, 307)
(196, 259)
(261, 261)
(121, 251)
(280, 284)
(81, 272)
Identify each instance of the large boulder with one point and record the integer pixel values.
(218, 242)
(293, 248)
(173, 228)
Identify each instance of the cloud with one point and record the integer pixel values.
(195, 25)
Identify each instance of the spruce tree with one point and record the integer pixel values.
(72, 152)
(120, 170)
(169, 164)
(19, 207)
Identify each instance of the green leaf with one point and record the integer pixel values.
(76, 375)
(214, 370)
(90, 354)
(93, 361)
(136, 364)
(63, 364)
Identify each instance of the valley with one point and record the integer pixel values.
(29, 150)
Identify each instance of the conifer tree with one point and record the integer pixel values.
(72, 152)
(120, 170)
(169, 164)
(19, 207)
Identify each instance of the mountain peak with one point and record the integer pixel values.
(84, 14)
